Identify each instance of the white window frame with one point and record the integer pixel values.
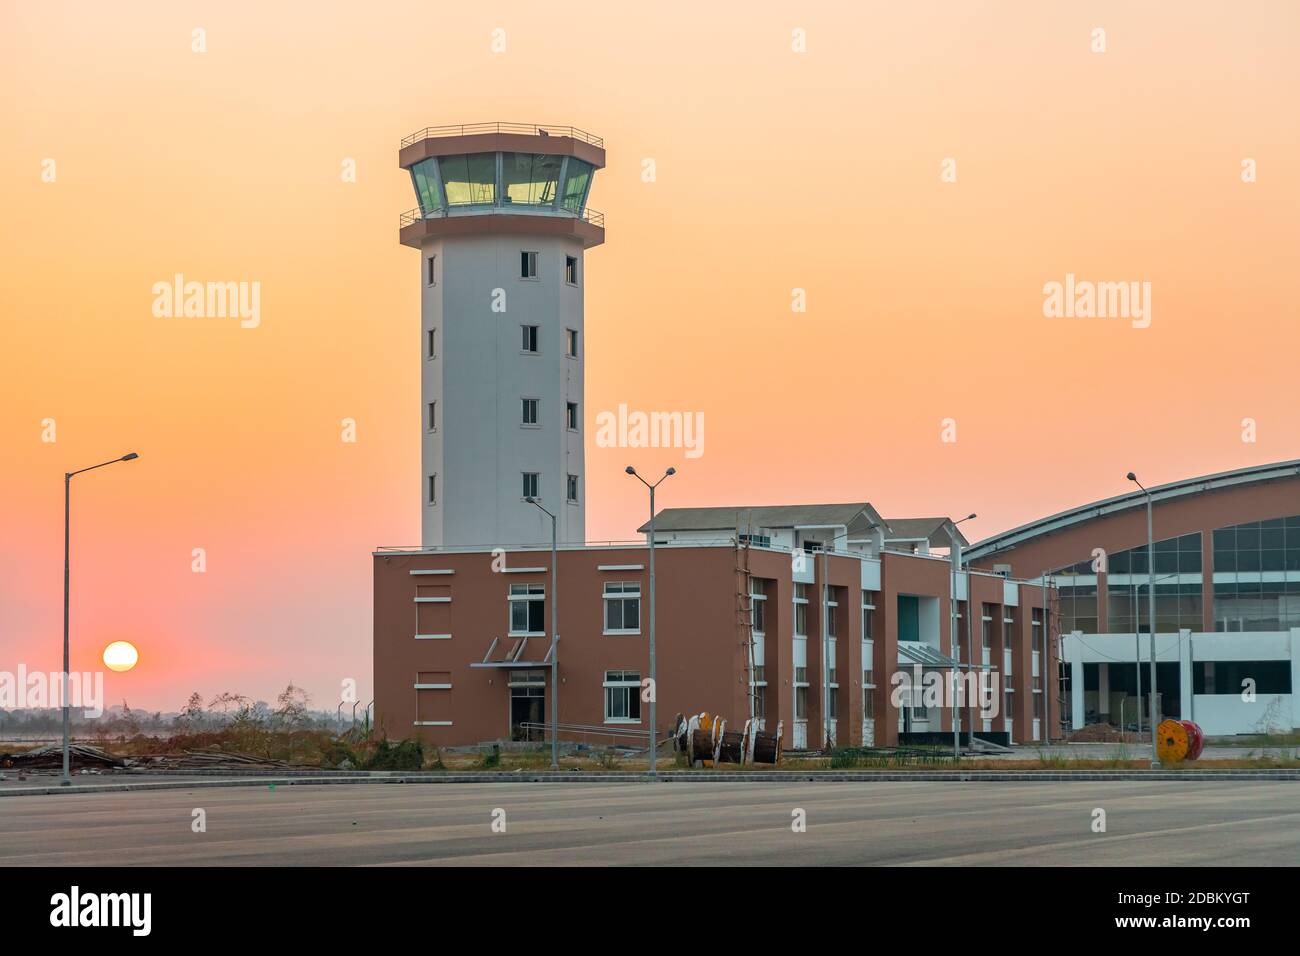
(574, 280)
(524, 406)
(432, 489)
(571, 417)
(431, 270)
(571, 343)
(522, 593)
(622, 595)
(528, 266)
(536, 477)
(571, 485)
(632, 687)
(530, 335)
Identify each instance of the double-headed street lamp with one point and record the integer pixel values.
(1151, 614)
(66, 781)
(555, 669)
(654, 688)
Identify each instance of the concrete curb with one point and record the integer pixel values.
(335, 778)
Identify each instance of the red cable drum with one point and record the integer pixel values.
(1195, 739)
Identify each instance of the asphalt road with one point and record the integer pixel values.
(1152, 823)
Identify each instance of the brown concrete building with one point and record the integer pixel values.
(462, 635)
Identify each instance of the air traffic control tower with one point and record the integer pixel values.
(502, 227)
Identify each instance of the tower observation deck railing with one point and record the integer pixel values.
(525, 129)
(587, 214)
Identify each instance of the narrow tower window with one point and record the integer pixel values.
(570, 270)
(528, 265)
(530, 338)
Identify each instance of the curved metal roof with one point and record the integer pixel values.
(1256, 474)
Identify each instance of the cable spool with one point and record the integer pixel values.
(1172, 741)
(1179, 740)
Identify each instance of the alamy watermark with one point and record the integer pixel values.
(208, 300)
(624, 429)
(39, 690)
(1083, 299)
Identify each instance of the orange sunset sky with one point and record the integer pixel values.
(775, 170)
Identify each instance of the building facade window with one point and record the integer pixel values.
(1076, 588)
(469, 179)
(529, 343)
(801, 610)
(529, 411)
(1177, 587)
(571, 415)
(430, 273)
(1257, 576)
(571, 270)
(571, 489)
(531, 484)
(431, 343)
(527, 610)
(530, 179)
(757, 648)
(433, 417)
(433, 489)
(1234, 677)
(528, 265)
(571, 342)
(622, 697)
(622, 607)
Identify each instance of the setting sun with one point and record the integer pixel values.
(120, 656)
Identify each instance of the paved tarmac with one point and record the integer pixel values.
(1159, 823)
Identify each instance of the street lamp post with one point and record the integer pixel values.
(1151, 614)
(66, 780)
(955, 561)
(654, 687)
(555, 637)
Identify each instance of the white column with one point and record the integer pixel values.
(1103, 690)
(1076, 694)
(1185, 673)
(1295, 677)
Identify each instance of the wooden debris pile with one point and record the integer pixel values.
(210, 760)
(80, 757)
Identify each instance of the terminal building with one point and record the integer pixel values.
(1227, 599)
